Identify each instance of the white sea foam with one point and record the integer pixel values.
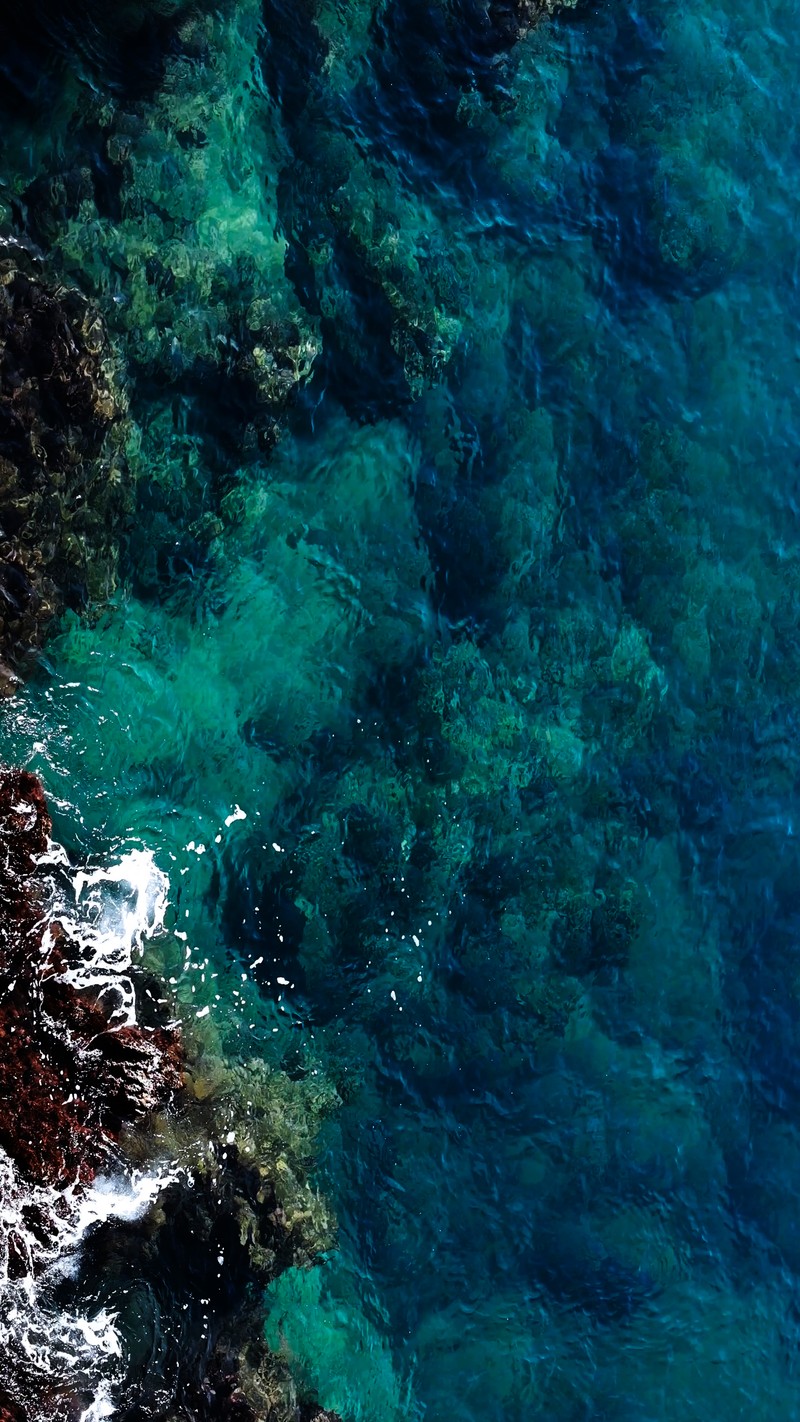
(108, 912)
(45, 1228)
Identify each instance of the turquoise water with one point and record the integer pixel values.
(458, 698)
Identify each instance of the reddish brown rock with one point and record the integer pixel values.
(8, 1412)
(69, 1079)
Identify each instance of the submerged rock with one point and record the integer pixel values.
(514, 18)
(238, 1213)
(175, 229)
(63, 498)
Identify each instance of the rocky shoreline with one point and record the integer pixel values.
(74, 1071)
(86, 1092)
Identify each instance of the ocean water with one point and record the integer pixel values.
(458, 699)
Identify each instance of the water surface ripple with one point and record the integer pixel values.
(497, 654)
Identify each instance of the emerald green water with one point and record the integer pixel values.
(464, 719)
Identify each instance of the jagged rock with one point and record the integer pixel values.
(217, 1236)
(71, 1079)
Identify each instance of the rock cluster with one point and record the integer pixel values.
(69, 1077)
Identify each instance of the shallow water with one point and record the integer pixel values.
(465, 726)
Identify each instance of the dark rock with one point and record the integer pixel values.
(511, 19)
(217, 1238)
(8, 1411)
(70, 1082)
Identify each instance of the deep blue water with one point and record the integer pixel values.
(498, 651)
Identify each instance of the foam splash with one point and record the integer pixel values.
(109, 912)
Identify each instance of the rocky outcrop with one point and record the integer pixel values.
(512, 19)
(71, 1077)
(217, 1237)
(84, 1079)
(63, 496)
